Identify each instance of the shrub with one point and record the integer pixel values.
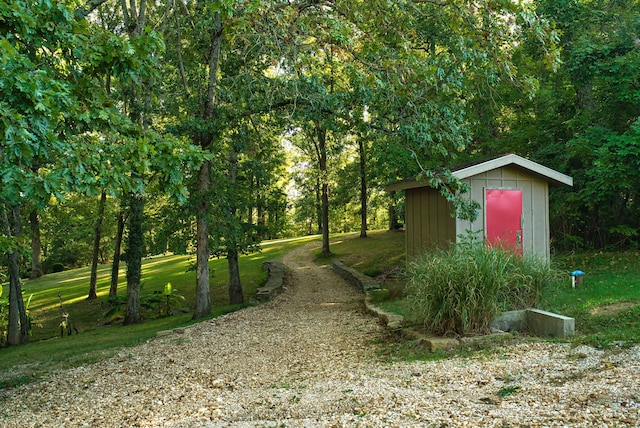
(463, 289)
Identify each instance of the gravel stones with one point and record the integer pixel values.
(306, 359)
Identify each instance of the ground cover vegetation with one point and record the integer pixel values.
(138, 128)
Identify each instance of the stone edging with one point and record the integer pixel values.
(275, 281)
(366, 284)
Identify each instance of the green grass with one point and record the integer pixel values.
(97, 339)
(381, 252)
(606, 306)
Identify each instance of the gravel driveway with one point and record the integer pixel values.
(307, 359)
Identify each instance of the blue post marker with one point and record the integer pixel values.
(576, 278)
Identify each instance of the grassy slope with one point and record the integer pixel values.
(379, 253)
(96, 340)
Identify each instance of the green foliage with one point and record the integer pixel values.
(463, 289)
(67, 231)
(508, 390)
(607, 306)
(157, 304)
(4, 314)
(582, 121)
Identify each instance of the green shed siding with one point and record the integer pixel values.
(429, 221)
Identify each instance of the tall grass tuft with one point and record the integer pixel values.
(462, 290)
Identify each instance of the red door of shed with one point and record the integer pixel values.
(503, 217)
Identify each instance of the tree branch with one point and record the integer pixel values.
(83, 12)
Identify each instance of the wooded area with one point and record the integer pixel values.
(206, 127)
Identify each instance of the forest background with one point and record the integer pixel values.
(139, 128)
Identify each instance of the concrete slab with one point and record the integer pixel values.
(543, 323)
(510, 321)
(440, 343)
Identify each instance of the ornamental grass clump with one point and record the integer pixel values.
(461, 291)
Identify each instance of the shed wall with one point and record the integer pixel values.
(429, 221)
(535, 205)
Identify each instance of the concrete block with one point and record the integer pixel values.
(392, 321)
(440, 343)
(360, 280)
(510, 321)
(544, 323)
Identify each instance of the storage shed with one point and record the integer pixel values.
(513, 193)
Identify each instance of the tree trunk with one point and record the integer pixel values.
(252, 191)
(393, 215)
(322, 157)
(138, 113)
(235, 287)
(203, 298)
(363, 189)
(36, 245)
(97, 234)
(18, 328)
(115, 267)
(135, 252)
(261, 214)
(319, 206)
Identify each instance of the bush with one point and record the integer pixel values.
(463, 289)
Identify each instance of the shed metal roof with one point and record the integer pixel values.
(554, 177)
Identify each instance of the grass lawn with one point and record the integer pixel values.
(98, 338)
(380, 253)
(607, 305)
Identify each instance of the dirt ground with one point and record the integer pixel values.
(308, 358)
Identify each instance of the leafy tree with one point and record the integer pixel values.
(219, 55)
(582, 121)
(55, 110)
(46, 105)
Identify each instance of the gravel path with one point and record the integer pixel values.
(307, 359)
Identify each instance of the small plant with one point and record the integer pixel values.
(164, 302)
(31, 321)
(65, 321)
(508, 390)
(4, 317)
(115, 304)
(171, 300)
